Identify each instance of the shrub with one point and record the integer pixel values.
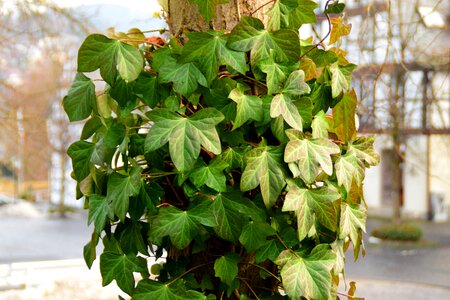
(400, 232)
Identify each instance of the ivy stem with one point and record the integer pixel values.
(346, 295)
(249, 287)
(161, 30)
(285, 246)
(260, 7)
(174, 191)
(264, 269)
(189, 271)
(328, 33)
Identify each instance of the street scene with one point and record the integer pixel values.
(255, 147)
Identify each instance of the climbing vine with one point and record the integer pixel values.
(231, 158)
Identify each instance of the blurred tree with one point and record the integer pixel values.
(35, 63)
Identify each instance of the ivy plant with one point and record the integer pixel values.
(221, 165)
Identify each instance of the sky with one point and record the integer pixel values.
(140, 7)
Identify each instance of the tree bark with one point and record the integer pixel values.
(184, 17)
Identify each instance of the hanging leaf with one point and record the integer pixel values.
(312, 155)
(295, 84)
(148, 289)
(282, 106)
(344, 117)
(111, 56)
(248, 107)
(226, 267)
(254, 235)
(209, 51)
(363, 149)
(120, 267)
(264, 168)
(185, 135)
(353, 221)
(338, 29)
(250, 34)
(212, 175)
(303, 14)
(341, 76)
(311, 204)
(320, 126)
(308, 276)
(99, 211)
(179, 225)
(81, 99)
(279, 14)
(185, 77)
(120, 188)
(81, 153)
(349, 168)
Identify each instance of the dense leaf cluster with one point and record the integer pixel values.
(234, 156)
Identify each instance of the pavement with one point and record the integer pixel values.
(38, 249)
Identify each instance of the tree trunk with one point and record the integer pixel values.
(184, 17)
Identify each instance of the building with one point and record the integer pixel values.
(403, 54)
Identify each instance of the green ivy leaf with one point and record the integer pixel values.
(269, 250)
(99, 211)
(81, 99)
(185, 77)
(341, 76)
(353, 221)
(226, 267)
(234, 157)
(179, 225)
(264, 168)
(279, 14)
(311, 155)
(276, 73)
(254, 235)
(212, 175)
(89, 250)
(309, 204)
(295, 84)
(207, 8)
(309, 276)
(282, 106)
(133, 240)
(98, 51)
(231, 211)
(148, 289)
(121, 267)
(185, 135)
(209, 51)
(363, 149)
(250, 34)
(147, 88)
(248, 107)
(81, 153)
(334, 8)
(344, 117)
(121, 187)
(303, 14)
(349, 168)
(320, 126)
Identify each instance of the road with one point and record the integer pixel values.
(421, 270)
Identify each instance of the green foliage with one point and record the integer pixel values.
(406, 231)
(222, 154)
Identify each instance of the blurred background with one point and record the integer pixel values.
(402, 49)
